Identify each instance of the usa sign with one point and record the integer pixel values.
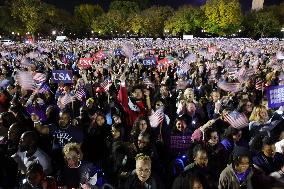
(149, 61)
(64, 76)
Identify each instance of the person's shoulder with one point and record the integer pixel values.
(227, 171)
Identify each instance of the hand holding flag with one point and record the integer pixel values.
(236, 119)
(157, 117)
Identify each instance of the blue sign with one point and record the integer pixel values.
(64, 76)
(71, 56)
(117, 52)
(275, 96)
(151, 61)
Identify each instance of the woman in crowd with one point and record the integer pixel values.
(77, 173)
(143, 177)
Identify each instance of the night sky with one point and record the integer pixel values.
(69, 4)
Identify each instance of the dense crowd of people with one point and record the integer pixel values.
(180, 114)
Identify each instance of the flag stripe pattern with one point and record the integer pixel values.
(147, 82)
(236, 119)
(157, 117)
(184, 66)
(259, 84)
(44, 88)
(80, 94)
(66, 99)
(106, 84)
(231, 87)
(39, 77)
(26, 80)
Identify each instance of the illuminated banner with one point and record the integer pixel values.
(71, 56)
(179, 144)
(150, 61)
(85, 63)
(117, 52)
(100, 55)
(64, 76)
(275, 96)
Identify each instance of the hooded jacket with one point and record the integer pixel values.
(229, 180)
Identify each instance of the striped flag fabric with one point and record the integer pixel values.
(229, 87)
(236, 119)
(280, 55)
(232, 72)
(184, 66)
(241, 74)
(44, 88)
(157, 117)
(39, 77)
(26, 80)
(147, 82)
(259, 85)
(191, 58)
(80, 94)
(66, 99)
(128, 49)
(106, 84)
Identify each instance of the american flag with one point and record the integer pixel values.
(106, 84)
(230, 87)
(241, 74)
(259, 85)
(191, 58)
(39, 77)
(66, 99)
(127, 48)
(212, 74)
(232, 72)
(147, 82)
(236, 119)
(43, 88)
(157, 117)
(184, 66)
(80, 94)
(280, 55)
(26, 80)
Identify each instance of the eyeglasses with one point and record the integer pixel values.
(140, 171)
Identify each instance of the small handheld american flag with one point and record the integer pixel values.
(230, 87)
(66, 99)
(184, 66)
(80, 94)
(259, 85)
(106, 84)
(26, 80)
(157, 117)
(39, 77)
(236, 119)
(43, 88)
(147, 82)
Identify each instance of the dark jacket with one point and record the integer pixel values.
(134, 183)
(269, 165)
(203, 173)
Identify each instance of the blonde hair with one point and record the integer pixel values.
(73, 146)
(142, 157)
(255, 114)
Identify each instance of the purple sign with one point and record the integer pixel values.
(275, 96)
(64, 76)
(149, 61)
(180, 143)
